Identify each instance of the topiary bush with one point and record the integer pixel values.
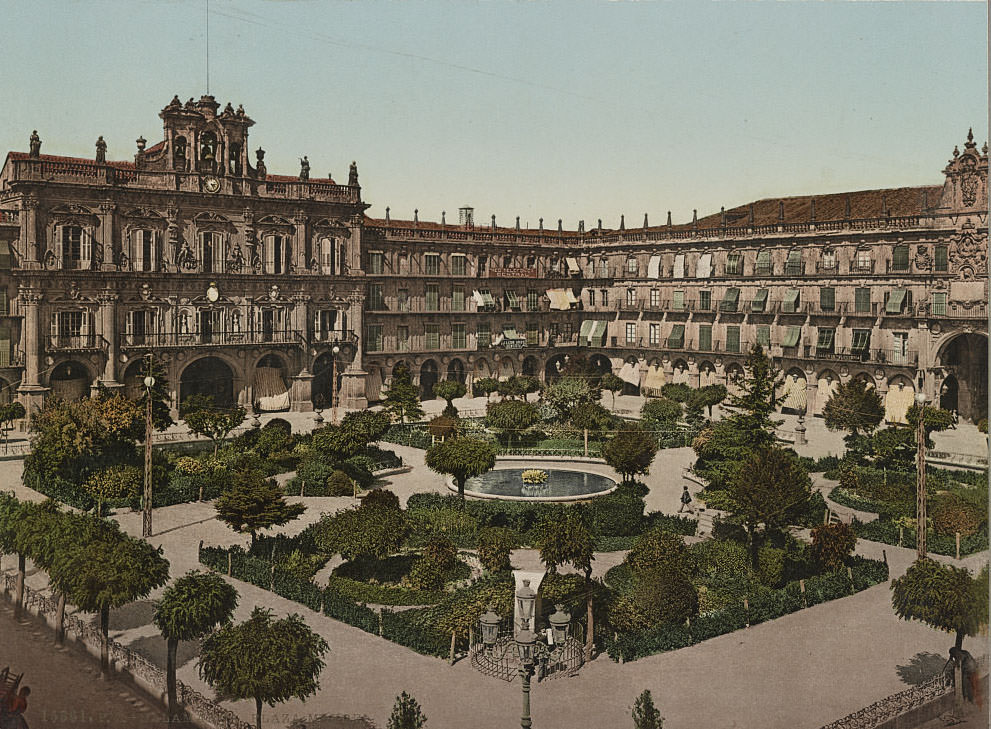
(619, 513)
(832, 544)
(495, 545)
(952, 513)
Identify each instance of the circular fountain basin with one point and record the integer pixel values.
(563, 484)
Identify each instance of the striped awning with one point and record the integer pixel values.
(896, 301)
(653, 381)
(586, 330)
(760, 301)
(795, 396)
(676, 340)
(790, 304)
(598, 332)
(792, 336)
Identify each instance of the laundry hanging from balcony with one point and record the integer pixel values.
(630, 372)
(654, 267)
(653, 381)
(270, 389)
(704, 268)
(795, 394)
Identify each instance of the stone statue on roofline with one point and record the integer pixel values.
(101, 151)
(304, 168)
(35, 143)
(353, 174)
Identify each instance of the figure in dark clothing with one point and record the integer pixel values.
(969, 674)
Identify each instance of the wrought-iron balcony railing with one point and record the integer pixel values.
(213, 339)
(76, 343)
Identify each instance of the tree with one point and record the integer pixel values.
(462, 458)
(945, 597)
(630, 452)
(190, 608)
(655, 549)
(486, 386)
(336, 443)
(613, 384)
(661, 413)
(448, 390)
(255, 502)
(511, 416)
(710, 396)
(161, 398)
(374, 530)
(402, 400)
(677, 391)
(270, 661)
(107, 572)
(443, 427)
(935, 420)
(14, 514)
(115, 482)
(645, 715)
(567, 393)
(495, 546)
(771, 489)
(8, 414)
(406, 714)
(590, 416)
(856, 407)
(832, 544)
(203, 418)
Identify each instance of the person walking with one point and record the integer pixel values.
(686, 501)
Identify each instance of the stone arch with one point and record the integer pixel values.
(133, 379)
(507, 368)
(734, 375)
(653, 380)
(949, 393)
(269, 384)
(211, 376)
(482, 369)
(629, 373)
(70, 380)
(6, 392)
(554, 367)
(865, 376)
(429, 376)
(793, 390)
(456, 370)
(324, 391)
(707, 374)
(826, 383)
(373, 382)
(898, 399)
(680, 374)
(964, 356)
(531, 367)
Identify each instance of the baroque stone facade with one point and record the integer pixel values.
(243, 284)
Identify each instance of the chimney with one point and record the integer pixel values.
(581, 226)
(645, 220)
(493, 222)
(416, 216)
(669, 218)
(722, 215)
(846, 212)
(622, 222)
(695, 218)
(560, 228)
(517, 222)
(443, 217)
(386, 215)
(466, 217)
(541, 223)
(925, 200)
(600, 223)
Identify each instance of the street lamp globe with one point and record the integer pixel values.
(525, 599)
(525, 640)
(920, 397)
(559, 624)
(336, 350)
(149, 382)
(490, 626)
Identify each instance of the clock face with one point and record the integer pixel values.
(211, 184)
(212, 294)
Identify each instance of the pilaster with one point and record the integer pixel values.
(107, 220)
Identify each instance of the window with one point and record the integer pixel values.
(631, 333)
(863, 262)
(731, 300)
(898, 300)
(507, 261)
(655, 298)
(482, 265)
(326, 252)
(513, 301)
(899, 258)
(900, 353)
(402, 299)
(5, 257)
(459, 265)
(143, 253)
(603, 268)
(275, 253)
(459, 336)
(705, 300)
(376, 300)
(827, 298)
(826, 344)
(69, 328)
(862, 300)
(483, 334)
(793, 266)
(938, 304)
(433, 297)
(375, 263)
(631, 266)
(678, 301)
(733, 339)
(605, 297)
(373, 339)
(567, 331)
(531, 261)
(764, 335)
(591, 297)
(431, 336)
(77, 249)
(655, 335)
(791, 304)
(212, 252)
(631, 298)
(861, 341)
(402, 338)
(942, 259)
(763, 265)
(828, 260)
(458, 298)
(532, 334)
(532, 301)
(705, 337)
(734, 264)
(431, 264)
(326, 323)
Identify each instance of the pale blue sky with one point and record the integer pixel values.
(571, 110)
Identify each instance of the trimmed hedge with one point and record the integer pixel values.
(383, 594)
(340, 607)
(406, 628)
(885, 530)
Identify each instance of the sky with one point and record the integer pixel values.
(568, 109)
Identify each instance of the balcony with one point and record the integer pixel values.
(827, 269)
(877, 356)
(77, 343)
(954, 310)
(165, 340)
(861, 267)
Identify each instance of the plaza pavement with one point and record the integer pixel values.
(800, 671)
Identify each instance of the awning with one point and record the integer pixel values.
(510, 333)
(679, 265)
(861, 339)
(790, 304)
(704, 269)
(896, 301)
(629, 372)
(653, 381)
(654, 267)
(479, 299)
(559, 301)
(764, 336)
(792, 335)
(826, 337)
(794, 392)
(678, 302)
(598, 332)
(730, 299)
(571, 298)
(586, 331)
(513, 299)
(676, 340)
(270, 390)
(760, 301)
(573, 266)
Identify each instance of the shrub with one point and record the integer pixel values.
(458, 525)
(982, 425)
(832, 544)
(443, 426)
(657, 549)
(728, 530)
(380, 498)
(952, 513)
(717, 556)
(495, 545)
(426, 574)
(657, 639)
(665, 594)
(771, 563)
(676, 391)
(619, 513)
(189, 465)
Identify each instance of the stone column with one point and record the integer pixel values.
(354, 246)
(108, 330)
(694, 378)
(32, 394)
(31, 248)
(811, 392)
(301, 392)
(107, 236)
(353, 395)
(299, 261)
(300, 311)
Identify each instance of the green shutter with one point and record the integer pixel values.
(676, 340)
(705, 338)
(825, 341)
(861, 339)
(4, 346)
(862, 300)
(678, 302)
(759, 303)
(730, 299)
(764, 335)
(733, 339)
(942, 258)
(792, 337)
(5, 256)
(790, 304)
(899, 258)
(896, 302)
(827, 298)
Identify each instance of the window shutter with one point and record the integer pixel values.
(156, 255)
(85, 328)
(4, 303)
(5, 258)
(137, 250)
(129, 324)
(269, 254)
(4, 346)
(85, 249)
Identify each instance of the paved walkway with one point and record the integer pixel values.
(800, 671)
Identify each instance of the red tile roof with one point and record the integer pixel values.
(70, 160)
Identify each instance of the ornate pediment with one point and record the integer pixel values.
(146, 213)
(274, 220)
(326, 226)
(968, 254)
(71, 209)
(208, 216)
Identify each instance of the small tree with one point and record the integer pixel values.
(204, 418)
(645, 715)
(161, 398)
(590, 416)
(770, 490)
(710, 396)
(13, 514)
(190, 608)
(486, 386)
(495, 546)
(613, 384)
(856, 407)
(832, 544)
(8, 414)
(511, 416)
(402, 400)
(676, 391)
(448, 390)
(462, 458)
(406, 714)
(661, 413)
(115, 482)
(942, 596)
(935, 420)
(567, 393)
(630, 452)
(254, 503)
(270, 661)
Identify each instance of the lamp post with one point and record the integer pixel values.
(525, 640)
(149, 383)
(920, 467)
(333, 385)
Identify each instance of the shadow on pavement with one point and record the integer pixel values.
(332, 721)
(132, 615)
(153, 647)
(921, 668)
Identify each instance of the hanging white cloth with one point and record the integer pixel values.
(271, 391)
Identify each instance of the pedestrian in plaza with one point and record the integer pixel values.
(686, 501)
(14, 707)
(969, 674)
